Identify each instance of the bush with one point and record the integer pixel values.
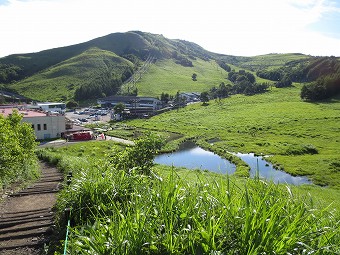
(17, 145)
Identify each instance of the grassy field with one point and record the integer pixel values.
(168, 77)
(302, 137)
(271, 61)
(180, 211)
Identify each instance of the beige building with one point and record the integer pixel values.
(45, 125)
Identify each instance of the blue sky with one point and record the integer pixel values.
(242, 27)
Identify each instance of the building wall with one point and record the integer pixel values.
(50, 126)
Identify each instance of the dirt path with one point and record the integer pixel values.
(26, 217)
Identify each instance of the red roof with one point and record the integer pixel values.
(26, 113)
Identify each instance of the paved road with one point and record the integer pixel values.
(62, 142)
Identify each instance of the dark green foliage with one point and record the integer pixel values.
(72, 104)
(181, 60)
(99, 87)
(119, 108)
(241, 75)
(222, 91)
(325, 87)
(273, 75)
(244, 83)
(285, 82)
(204, 97)
(321, 67)
(165, 97)
(194, 77)
(223, 65)
(248, 88)
(9, 73)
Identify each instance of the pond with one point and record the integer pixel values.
(191, 156)
(268, 172)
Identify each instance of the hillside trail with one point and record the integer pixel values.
(27, 217)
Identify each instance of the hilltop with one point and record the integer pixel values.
(104, 66)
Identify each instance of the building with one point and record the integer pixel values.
(45, 125)
(135, 105)
(49, 107)
(190, 97)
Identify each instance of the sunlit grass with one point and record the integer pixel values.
(180, 211)
(275, 123)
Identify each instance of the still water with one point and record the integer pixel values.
(189, 155)
(192, 156)
(268, 172)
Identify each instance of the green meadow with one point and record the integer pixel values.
(118, 210)
(302, 138)
(166, 76)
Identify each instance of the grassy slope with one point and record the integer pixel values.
(276, 123)
(96, 149)
(168, 77)
(56, 82)
(271, 60)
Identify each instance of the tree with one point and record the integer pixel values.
(194, 77)
(17, 150)
(204, 97)
(72, 104)
(119, 108)
(165, 97)
(139, 157)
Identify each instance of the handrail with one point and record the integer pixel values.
(68, 213)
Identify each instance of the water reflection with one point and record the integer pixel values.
(268, 172)
(192, 156)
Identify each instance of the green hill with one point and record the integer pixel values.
(93, 68)
(102, 67)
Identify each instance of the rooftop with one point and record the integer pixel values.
(5, 111)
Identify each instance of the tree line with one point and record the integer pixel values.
(325, 87)
(101, 86)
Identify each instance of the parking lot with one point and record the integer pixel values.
(86, 116)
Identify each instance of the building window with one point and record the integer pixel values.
(45, 126)
(38, 127)
(33, 126)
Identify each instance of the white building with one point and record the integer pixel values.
(45, 125)
(49, 107)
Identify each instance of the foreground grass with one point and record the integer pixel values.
(302, 137)
(176, 211)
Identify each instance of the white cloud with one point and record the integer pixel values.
(231, 27)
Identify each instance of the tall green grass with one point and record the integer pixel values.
(128, 214)
(115, 211)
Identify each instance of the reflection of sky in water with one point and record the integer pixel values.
(193, 157)
(196, 158)
(266, 170)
